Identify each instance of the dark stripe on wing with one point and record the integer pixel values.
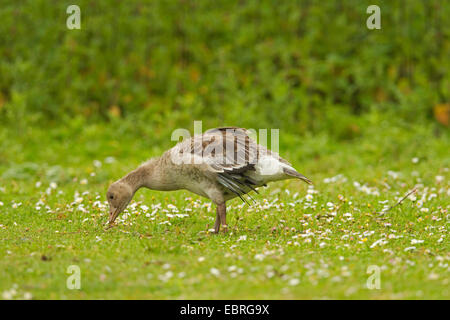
(230, 186)
(238, 183)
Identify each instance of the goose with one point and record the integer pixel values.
(220, 164)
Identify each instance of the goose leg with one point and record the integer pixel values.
(222, 211)
(217, 223)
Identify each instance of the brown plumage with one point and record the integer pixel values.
(221, 164)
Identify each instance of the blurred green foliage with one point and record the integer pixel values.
(304, 66)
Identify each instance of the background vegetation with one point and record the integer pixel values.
(369, 105)
(304, 66)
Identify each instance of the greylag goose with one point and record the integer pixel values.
(220, 164)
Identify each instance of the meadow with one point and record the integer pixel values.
(295, 242)
(364, 114)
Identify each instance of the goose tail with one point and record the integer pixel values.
(295, 174)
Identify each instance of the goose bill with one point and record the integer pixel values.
(113, 215)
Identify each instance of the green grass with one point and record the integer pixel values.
(325, 242)
(351, 103)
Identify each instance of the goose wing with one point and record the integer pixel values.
(228, 153)
(233, 158)
(237, 156)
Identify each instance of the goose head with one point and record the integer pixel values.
(119, 196)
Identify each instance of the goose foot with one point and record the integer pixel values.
(222, 214)
(225, 228)
(220, 219)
